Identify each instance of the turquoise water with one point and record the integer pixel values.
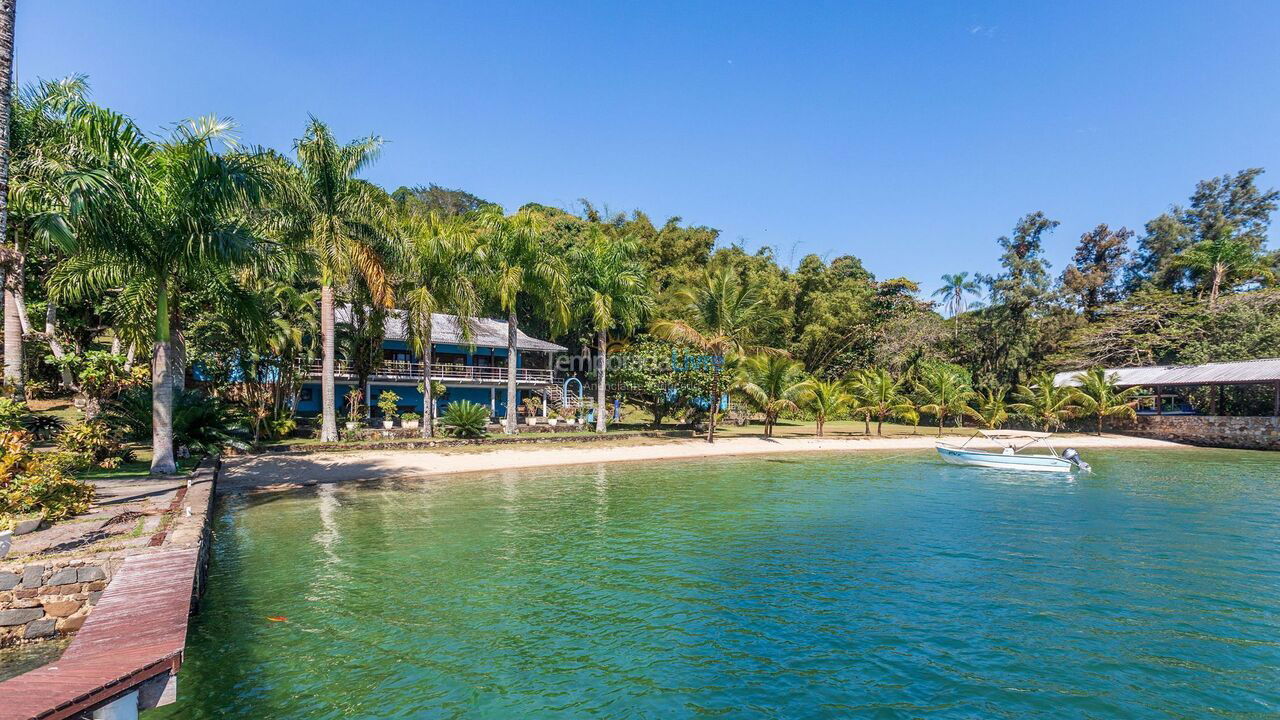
(792, 587)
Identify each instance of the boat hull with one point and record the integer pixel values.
(1027, 463)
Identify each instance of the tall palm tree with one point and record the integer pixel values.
(1099, 397)
(880, 395)
(522, 268)
(342, 222)
(1046, 404)
(180, 209)
(946, 392)
(12, 259)
(1224, 261)
(437, 266)
(773, 382)
(953, 291)
(609, 278)
(993, 410)
(826, 398)
(723, 314)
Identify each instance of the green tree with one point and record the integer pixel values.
(1223, 261)
(1093, 278)
(773, 382)
(613, 291)
(945, 391)
(722, 314)
(879, 395)
(1099, 397)
(954, 291)
(993, 410)
(436, 267)
(650, 371)
(522, 268)
(1046, 404)
(342, 223)
(826, 399)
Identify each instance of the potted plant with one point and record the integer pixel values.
(565, 414)
(354, 397)
(387, 404)
(532, 405)
(410, 420)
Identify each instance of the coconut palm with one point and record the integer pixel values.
(773, 383)
(12, 259)
(724, 315)
(1044, 403)
(1099, 397)
(612, 286)
(993, 410)
(953, 291)
(826, 398)
(1225, 262)
(522, 269)
(880, 396)
(180, 210)
(437, 265)
(945, 392)
(342, 222)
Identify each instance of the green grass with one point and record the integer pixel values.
(137, 468)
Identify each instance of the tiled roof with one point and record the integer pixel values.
(485, 332)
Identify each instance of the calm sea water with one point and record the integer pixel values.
(793, 587)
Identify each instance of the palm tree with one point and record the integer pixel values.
(1225, 261)
(826, 398)
(609, 277)
(724, 315)
(953, 291)
(881, 396)
(773, 382)
(992, 410)
(946, 391)
(522, 267)
(12, 259)
(1044, 403)
(341, 222)
(1098, 396)
(180, 210)
(437, 264)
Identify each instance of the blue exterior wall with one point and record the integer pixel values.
(410, 398)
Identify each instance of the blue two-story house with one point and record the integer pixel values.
(475, 370)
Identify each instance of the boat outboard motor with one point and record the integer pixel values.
(1073, 457)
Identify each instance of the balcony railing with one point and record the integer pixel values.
(443, 372)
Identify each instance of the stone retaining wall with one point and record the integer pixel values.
(1249, 433)
(38, 601)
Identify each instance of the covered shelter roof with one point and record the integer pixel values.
(485, 332)
(1265, 370)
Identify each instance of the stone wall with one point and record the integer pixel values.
(1250, 433)
(41, 600)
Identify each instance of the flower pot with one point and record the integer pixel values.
(388, 424)
(6, 539)
(531, 420)
(353, 425)
(409, 424)
(552, 421)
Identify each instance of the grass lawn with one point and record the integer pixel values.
(60, 408)
(140, 467)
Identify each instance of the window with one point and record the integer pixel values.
(305, 395)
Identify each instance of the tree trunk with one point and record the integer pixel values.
(715, 405)
(866, 423)
(55, 347)
(428, 398)
(328, 406)
(601, 365)
(1099, 424)
(130, 354)
(162, 461)
(942, 418)
(819, 424)
(1218, 272)
(13, 276)
(178, 341)
(513, 327)
(880, 426)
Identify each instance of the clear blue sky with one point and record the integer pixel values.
(908, 134)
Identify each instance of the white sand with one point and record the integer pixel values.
(267, 472)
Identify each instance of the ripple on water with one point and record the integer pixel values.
(825, 586)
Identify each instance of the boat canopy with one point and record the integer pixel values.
(993, 434)
(1017, 440)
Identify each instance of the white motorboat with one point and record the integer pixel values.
(1012, 455)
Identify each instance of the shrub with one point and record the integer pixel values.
(465, 419)
(13, 414)
(33, 482)
(201, 424)
(411, 417)
(354, 397)
(94, 443)
(102, 376)
(44, 426)
(387, 404)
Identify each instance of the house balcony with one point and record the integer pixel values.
(449, 374)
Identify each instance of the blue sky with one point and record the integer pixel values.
(908, 134)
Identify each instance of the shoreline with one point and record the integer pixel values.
(267, 473)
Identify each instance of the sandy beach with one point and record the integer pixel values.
(279, 472)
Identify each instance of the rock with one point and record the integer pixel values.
(31, 576)
(9, 581)
(90, 574)
(97, 586)
(25, 592)
(40, 629)
(72, 624)
(94, 597)
(60, 608)
(19, 616)
(65, 576)
(71, 589)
